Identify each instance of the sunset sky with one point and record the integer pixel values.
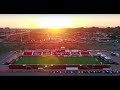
(58, 20)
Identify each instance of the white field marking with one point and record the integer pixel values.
(96, 59)
(90, 54)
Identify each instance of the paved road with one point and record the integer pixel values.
(48, 74)
(5, 67)
(4, 56)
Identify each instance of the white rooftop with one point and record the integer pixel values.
(67, 50)
(99, 53)
(107, 58)
(103, 55)
(74, 50)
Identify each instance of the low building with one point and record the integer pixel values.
(108, 59)
(103, 56)
(99, 54)
(103, 39)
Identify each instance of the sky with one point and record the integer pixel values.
(59, 20)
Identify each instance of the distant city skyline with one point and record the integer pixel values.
(59, 20)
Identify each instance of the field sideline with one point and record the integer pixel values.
(57, 60)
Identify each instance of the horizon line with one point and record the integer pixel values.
(61, 28)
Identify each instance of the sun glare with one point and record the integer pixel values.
(54, 22)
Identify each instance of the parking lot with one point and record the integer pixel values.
(62, 72)
(114, 58)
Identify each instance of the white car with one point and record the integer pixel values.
(117, 54)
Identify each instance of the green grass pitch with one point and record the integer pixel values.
(57, 60)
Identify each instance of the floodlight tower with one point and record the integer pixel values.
(7, 36)
(29, 35)
(21, 38)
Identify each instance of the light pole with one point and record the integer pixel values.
(21, 38)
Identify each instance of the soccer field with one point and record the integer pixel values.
(57, 60)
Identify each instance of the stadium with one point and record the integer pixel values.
(56, 48)
(56, 60)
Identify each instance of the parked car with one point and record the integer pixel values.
(113, 54)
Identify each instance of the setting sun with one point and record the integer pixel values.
(58, 21)
(54, 22)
